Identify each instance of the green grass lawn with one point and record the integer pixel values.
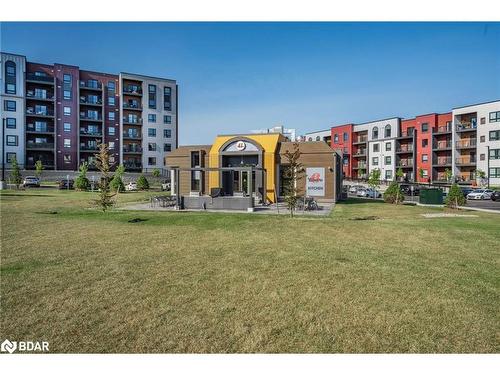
(88, 281)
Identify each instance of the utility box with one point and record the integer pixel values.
(431, 196)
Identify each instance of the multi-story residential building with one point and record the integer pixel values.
(321, 135)
(59, 114)
(288, 133)
(12, 97)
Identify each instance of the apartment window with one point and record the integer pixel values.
(483, 120)
(151, 161)
(92, 83)
(388, 146)
(66, 78)
(167, 147)
(111, 145)
(40, 126)
(335, 138)
(151, 132)
(425, 127)
(495, 154)
(346, 160)
(151, 146)
(67, 127)
(346, 137)
(495, 135)
(67, 111)
(375, 160)
(482, 157)
(495, 116)
(10, 123)
(10, 88)
(387, 131)
(10, 77)
(152, 96)
(167, 119)
(167, 133)
(67, 159)
(67, 95)
(11, 156)
(387, 160)
(167, 99)
(12, 140)
(494, 173)
(376, 147)
(388, 175)
(111, 131)
(67, 86)
(375, 133)
(425, 158)
(111, 86)
(151, 118)
(482, 139)
(111, 116)
(111, 100)
(67, 143)
(425, 172)
(9, 105)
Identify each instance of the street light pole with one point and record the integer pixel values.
(488, 165)
(2, 183)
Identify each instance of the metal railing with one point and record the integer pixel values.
(33, 112)
(90, 133)
(132, 149)
(39, 78)
(132, 90)
(132, 135)
(132, 165)
(32, 95)
(89, 147)
(465, 143)
(91, 85)
(132, 121)
(443, 129)
(37, 145)
(465, 160)
(361, 139)
(45, 129)
(132, 106)
(463, 126)
(440, 145)
(407, 133)
(85, 100)
(407, 148)
(444, 160)
(405, 163)
(86, 116)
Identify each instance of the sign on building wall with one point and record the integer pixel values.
(315, 182)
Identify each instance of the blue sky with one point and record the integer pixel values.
(235, 77)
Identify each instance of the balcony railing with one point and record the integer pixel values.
(466, 177)
(465, 126)
(136, 106)
(132, 149)
(132, 90)
(466, 143)
(405, 163)
(360, 139)
(32, 95)
(90, 100)
(40, 129)
(129, 120)
(443, 129)
(47, 164)
(441, 145)
(86, 116)
(90, 133)
(405, 148)
(91, 85)
(132, 165)
(360, 153)
(33, 112)
(360, 166)
(39, 78)
(132, 135)
(407, 133)
(444, 161)
(465, 160)
(87, 147)
(38, 145)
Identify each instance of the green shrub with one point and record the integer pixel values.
(393, 194)
(117, 184)
(82, 182)
(142, 183)
(455, 197)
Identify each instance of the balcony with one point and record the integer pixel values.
(131, 90)
(48, 97)
(129, 165)
(465, 160)
(466, 126)
(47, 164)
(443, 162)
(466, 177)
(87, 133)
(405, 149)
(30, 111)
(43, 79)
(466, 143)
(406, 134)
(443, 129)
(361, 139)
(360, 166)
(442, 145)
(132, 106)
(89, 147)
(132, 121)
(405, 163)
(131, 149)
(91, 85)
(360, 154)
(85, 100)
(88, 117)
(32, 128)
(39, 146)
(131, 135)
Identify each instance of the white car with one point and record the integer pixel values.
(480, 194)
(131, 186)
(31, 181)
(368, 193)
(354, 188)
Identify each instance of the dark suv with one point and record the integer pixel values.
(495, 196)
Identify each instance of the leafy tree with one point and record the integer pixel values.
(142, 183)
(374, 179)
(82, 182)
(15, 174)
(105, 198)
(482, 177)
(117, 184)
(39, 169)
(448, 174)
(455, 197)
(156, 174)
(393, 193)
(399, 173)
(293, 172)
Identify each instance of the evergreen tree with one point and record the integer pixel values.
(82, 182)
(105, 199)
(293, 172)
(117, 184)
(156, 174)
(455, 197)
(142, 183)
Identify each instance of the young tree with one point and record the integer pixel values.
(105, 199)
(455, 197)
(481, 175)
(117, 184)
(374, 179)
(399, 174)
(393, 193)
(448, 174)
(39, 169)
(293, 173)
(15, 175)
(142, 183)
(156, 174)
(82, 182)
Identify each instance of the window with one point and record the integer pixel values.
(12, 140)
(10, 77)
(151, 146)
(41, 126)
(495, 154)
(111, 86)
(494, 172)
(67, 86)
(482, 139)
(10, 69)
(335, 138)
(425, 142)
(387, 131)
(387, 160)
(495, 116)
(67, 143)
(425, 127)
(111, 145)
(67, 111)
(66, 78)
(111, 131)
(375, 133)
(67, 127)
(151, 118)
(10, 123)
(495, 135)
(376, 147)
(151, 161)
(152, 96)
(167, 147)
(425, 158)
(375, 161)
(425, 172)
(9, 105)
(167, 133)
(67, 158)
(167, 99)
(111, 116)
(346, 137)
(482, 157)
(167, 119)
(111, 100)
(483, 120)
(67, 94)
(388, 146)
(346, 160)
(388, 175)
(11, 156)
(10, 88)
(151, 132)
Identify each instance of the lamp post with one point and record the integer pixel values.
(2, 182)
(488, 165)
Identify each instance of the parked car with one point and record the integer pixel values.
(495, 196)
(66, 184)
(354, 188)
(466, 191)
(131, 186)
(407, 189)
(368, 193)
(480, 194)
(31, 181)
